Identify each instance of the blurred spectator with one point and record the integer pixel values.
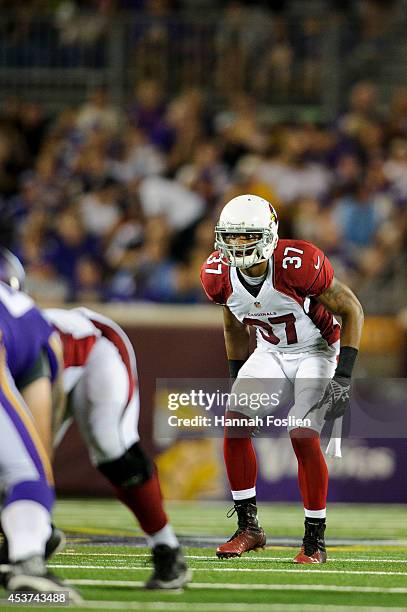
(123, 251)
(100, 210)
(398, 113)
(155, 271)
(206, 174)
(90, 166)
(245, 179)
(185, 121)
(152, 37)
(69, 244)
(289, 173)
(32, 125)
(85, 27)
(395, 168)
(384, 270)
(309, 50)
(147, 109)
(275, 70)
(359, 215)
(240, 130)
(42, 279)
(139, 158)
(347, 171)
(362, 109)
(231, 48)
(177, 205)
(87, 285)
(98, 113)
(11, 160)
(22, 203)
(374, 18)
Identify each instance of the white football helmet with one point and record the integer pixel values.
(251, 215)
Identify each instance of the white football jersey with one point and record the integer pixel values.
(285, 313)
(79, 329)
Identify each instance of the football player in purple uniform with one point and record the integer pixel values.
(30, 358)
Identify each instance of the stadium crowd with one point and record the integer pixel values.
(105, 204)
(267, 47)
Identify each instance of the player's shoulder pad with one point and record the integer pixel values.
(71, 321)
(302, 265)
(215, 279)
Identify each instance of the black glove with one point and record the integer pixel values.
(336, 398)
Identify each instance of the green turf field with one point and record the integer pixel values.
(367, 568)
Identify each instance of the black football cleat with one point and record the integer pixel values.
(32, 575)
(55, 543)
(313, 545)
(170, 569)
(248, 536)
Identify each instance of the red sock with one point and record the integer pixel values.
(146, 503)
(241, 463)
(312, 469)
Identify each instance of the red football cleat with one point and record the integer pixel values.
(249, 535)
(242, 542)
(318, 557)
(313, 549)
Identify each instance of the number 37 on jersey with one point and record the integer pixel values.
(286, 314)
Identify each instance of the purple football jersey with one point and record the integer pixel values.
(24, 332)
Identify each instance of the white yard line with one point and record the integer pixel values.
(89, 531)
(230, 569)
(236, 559)
(254, 587)
(251, 587)
(169, 606)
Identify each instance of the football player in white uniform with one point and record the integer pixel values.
(100, 379)
(286, 290)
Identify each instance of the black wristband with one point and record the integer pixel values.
(234, 367)
(347, 358)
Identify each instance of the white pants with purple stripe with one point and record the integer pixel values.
(25, 471)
